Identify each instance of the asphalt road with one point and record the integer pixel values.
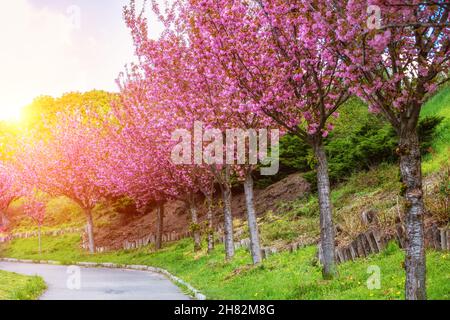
(75, 283)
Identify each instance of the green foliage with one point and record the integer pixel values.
(64, 248)
(294, 153)
(304, 207)
(427, 128)
(195, 227)
(279, 229)
(43, 110)
(19, 287)
(438, 105)
(287, 227)
(391, 249)
(366, 147)
(61, 213)
(359, 142)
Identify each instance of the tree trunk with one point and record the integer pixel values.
(326, 220)
(228, 217)
(90, 230)
(159, 225)
(411, 173)
(195, 226)
(39, 239)
(210, 217)
(255, 246)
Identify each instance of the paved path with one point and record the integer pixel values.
(99, 283)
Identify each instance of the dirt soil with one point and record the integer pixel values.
(131, 226)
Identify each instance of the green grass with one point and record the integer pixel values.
(18, 287)
(64, 248)
(438, 105)
(281, 276)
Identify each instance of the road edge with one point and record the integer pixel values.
(109, 265)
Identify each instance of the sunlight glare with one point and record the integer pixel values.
(10, 114)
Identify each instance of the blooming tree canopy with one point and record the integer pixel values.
(187, 85)
(69, 162)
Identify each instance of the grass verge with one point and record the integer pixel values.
(19, 287)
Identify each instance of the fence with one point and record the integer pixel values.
(139, 243)
(375, 241)
(370, 242)
(33, 234)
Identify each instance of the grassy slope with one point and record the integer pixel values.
(18, 287)
(439, 105)
(281, 276)
(375, 189)
(292, 276)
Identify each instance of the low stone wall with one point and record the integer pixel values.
(173, 237)
(268, 251)
(370, 242)
(33, 234)
(168, 237)
(139, 243)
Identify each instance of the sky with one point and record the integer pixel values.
(49, 47)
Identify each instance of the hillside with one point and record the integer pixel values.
(287, 212)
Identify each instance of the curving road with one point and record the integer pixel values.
(74, 283)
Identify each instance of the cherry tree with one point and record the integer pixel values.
(67, 163)
(398, 54)
(145, 126)
(133, 169)
(276, 54)
(165, 74)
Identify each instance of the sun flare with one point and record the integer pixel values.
(10, 114)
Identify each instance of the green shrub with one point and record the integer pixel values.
(359, 142)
